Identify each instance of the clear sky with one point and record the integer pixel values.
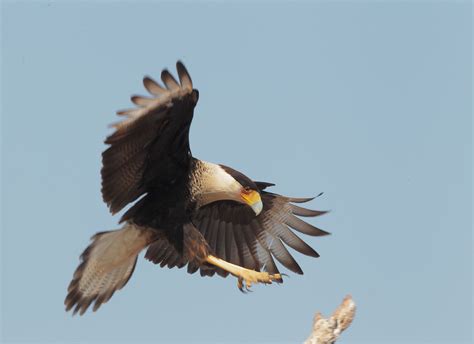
(369, 102)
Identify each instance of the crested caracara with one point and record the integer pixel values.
(186, 212)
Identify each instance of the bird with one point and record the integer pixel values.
(184, 211)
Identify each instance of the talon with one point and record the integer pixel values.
(240, 285)
(279, 277)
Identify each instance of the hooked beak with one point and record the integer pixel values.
(252, 198)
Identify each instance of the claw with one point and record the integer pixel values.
(245, 277)
(244, 283)
(244, 286)
(240, 285)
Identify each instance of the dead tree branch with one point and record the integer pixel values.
(327, 331)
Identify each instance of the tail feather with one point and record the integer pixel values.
(106, 266)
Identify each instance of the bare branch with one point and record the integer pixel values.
(327, 331)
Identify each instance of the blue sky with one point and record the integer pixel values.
(369, 102)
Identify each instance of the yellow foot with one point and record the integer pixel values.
(249, 277)
(245, 276)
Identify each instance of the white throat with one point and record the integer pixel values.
(212, 183)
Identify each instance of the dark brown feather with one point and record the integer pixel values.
(153, 87)
(303, 227)
(169, 80)
(237, 236)
(141, 146)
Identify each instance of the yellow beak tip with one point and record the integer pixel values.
(253, 200)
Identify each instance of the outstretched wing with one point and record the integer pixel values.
(151, 145)
(236, 235)
(106, 266)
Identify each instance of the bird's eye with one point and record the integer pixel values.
(247, 189)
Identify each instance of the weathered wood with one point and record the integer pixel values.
(327, 331)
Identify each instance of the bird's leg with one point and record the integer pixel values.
(245, 276)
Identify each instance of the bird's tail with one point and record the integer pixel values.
(106, 266)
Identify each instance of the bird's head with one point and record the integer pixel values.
(224, 183)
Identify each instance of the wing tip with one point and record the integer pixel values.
(325, 233)
(169, 80)
(184, 77)
(180, 65)
(300, 199)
